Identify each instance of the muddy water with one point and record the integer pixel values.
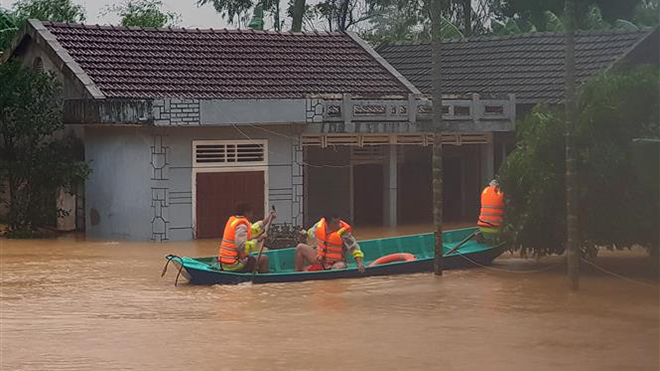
(71, 304)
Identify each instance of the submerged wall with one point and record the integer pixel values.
(118, 191)
(142, 182)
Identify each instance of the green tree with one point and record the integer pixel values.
(44, 10)
(593, 20)
(392, 24)
(238, 11)
(8, 28)
(546, 15)
(343, 15)
(616, 208)
(231, 10)
(409, 21)
(49, 10)
(34, 164)
(257, 22)
(144, 13)
(647, 13)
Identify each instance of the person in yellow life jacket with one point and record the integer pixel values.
(233, 255)
(492, 211)
(333, 239)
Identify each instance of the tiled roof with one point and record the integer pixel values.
(530, 66)
(191, 63)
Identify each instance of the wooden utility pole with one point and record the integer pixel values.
(467, 18)
(298, 15)
(572, 233)
(436, 46)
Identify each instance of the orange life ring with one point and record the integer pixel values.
(397, 257)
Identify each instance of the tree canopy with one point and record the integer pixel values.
(144, 13)
(49, 10)
(44, 10)
(35, 163)
(613, 109)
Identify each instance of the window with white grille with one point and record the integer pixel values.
(230, 153)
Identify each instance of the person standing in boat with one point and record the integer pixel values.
(332, 237)
(237, 239)
(492, 211)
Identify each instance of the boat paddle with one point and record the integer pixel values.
(460, 244)
(256, 264)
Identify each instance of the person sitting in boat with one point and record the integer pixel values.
(332, 237)
(233, 255)
(492, 211)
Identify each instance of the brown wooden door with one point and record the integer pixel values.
(219, 193)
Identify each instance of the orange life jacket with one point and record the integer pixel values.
(492, 208)
(228, 249)
(330, 247)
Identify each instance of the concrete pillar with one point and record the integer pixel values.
(390, 175)
(487, 160)
(351, 195)
(297, 185)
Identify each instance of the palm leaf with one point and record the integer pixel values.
(594, 19)
(498, 27)
(7, 21)
(8, 28)
(450, 30)
(552, 22)
(622, 24)
(512, 27)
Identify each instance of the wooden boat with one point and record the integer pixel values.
(205, 271)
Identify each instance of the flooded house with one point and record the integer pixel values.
(530, 67)
(179, 125)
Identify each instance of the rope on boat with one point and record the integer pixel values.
(508, 270)
(555, 265)
(169, 258)
(618, 275)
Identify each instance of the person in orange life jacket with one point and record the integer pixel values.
(333, 239)
(492, 211)
(238, 232)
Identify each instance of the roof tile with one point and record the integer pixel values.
(139, 62)
(530, 66)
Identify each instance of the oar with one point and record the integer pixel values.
(460, 244)
(256, 264)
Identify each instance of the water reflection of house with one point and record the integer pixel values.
(180, 125)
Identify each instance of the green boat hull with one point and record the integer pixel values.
(204, 271)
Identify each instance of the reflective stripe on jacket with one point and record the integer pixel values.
(492, 208)
(228, 248)
(330, 247)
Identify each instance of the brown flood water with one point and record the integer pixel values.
(72, 304)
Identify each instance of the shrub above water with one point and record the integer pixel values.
(617, 207)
